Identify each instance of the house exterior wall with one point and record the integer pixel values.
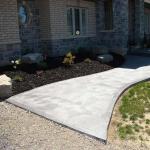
(139, 22)
(116, 39)
(147, 22)
(48, 29)
(52, 27)
(9, 31)
(60, 41)
(30, 32)
(44, 18)
(147, 10)
(58, 17)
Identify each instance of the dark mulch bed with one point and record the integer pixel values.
(34, 77)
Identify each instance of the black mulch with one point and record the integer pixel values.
(34, 77)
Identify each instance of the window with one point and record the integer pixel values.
(108, 9)
(77, 21)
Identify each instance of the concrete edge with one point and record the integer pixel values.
(115, 98)
(40, 114)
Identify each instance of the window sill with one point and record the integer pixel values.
(107, 30)
(81, 36)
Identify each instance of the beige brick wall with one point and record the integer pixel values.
(44, 17)
(9, 30)
(58, 17)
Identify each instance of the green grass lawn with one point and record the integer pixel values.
(135, 113)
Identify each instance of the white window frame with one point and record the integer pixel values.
(81, 23)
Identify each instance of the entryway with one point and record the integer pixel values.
(131, 15)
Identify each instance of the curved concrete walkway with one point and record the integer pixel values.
(86, 103)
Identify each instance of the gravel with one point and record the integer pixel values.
(22, 130)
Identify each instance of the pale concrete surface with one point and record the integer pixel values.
(86, 103)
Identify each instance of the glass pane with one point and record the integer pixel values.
(70, 21)
(77, 21)
(84, 21)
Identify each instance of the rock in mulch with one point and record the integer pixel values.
(106, 58)
(5, 86)
(32, 58)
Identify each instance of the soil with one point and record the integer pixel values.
(33, 76)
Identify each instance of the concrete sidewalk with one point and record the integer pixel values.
(86, 103)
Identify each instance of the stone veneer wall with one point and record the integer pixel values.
(9, 31)
(115, 40)
(30, 33)
(139, 22)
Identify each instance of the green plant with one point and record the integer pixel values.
(87, 60)
(148, 131)
(134, 117)
(125, 131)
(147, 121)
(124, 116)
(69, 59)
(136, 102)
(16, 63)
(18, 78)
(137, 128)
(141, 138)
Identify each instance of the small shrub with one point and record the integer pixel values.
(124, 115)
(18, 78)
(141, 138)
(134, 117)
(147, 121)
(69, 59)
(137, 128)
(16, 63)
(87, 60)
(125, 131)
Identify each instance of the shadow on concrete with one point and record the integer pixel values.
(135, 62)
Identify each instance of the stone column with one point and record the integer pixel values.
(115, 40)
(139, 22)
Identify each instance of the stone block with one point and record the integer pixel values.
(32, 58)
(5, 86)
(106, 58)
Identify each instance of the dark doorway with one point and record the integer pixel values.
(131, 13)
